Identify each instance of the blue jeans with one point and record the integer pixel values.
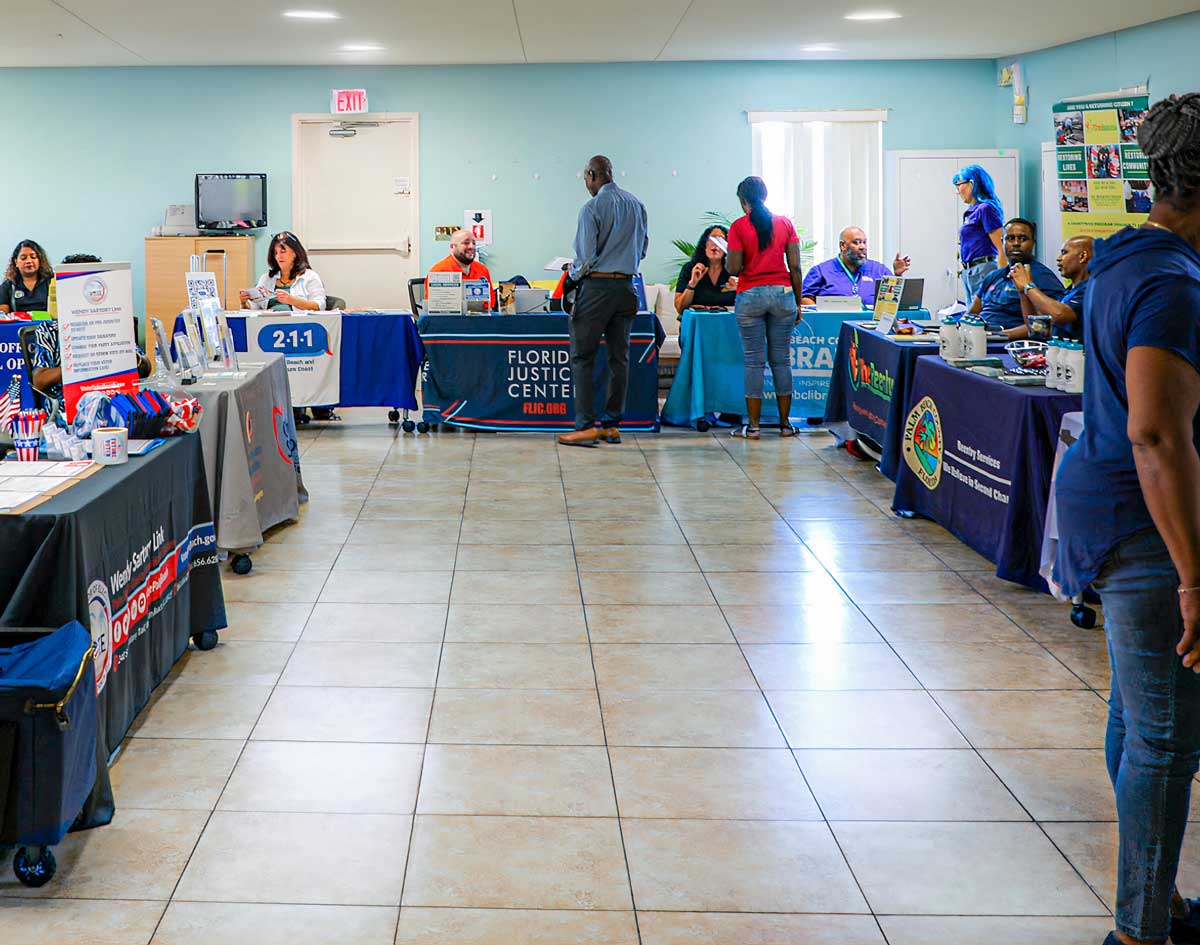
(765, 316)
(1153, 740)
(973, 278)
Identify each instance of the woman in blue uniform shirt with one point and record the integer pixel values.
(1128, 495)
(982, 228)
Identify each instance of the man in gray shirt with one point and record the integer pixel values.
(610, 243)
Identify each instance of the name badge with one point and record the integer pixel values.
(19, 294)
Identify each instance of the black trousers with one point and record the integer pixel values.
(604, 309)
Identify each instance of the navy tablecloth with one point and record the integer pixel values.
(513, 372)
(872, 377)
(977, 459)
(380, 356)
(710, 378)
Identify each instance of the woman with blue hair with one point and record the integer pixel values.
(980, 237)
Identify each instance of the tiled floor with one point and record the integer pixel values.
(682, 691)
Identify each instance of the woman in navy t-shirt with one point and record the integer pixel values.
(1128, 495)
(979, 237)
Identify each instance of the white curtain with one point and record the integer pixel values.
(824, 170)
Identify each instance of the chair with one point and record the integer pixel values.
(334, 302)
(27, 337)
(417, 307)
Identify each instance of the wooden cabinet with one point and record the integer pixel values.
(168, 258)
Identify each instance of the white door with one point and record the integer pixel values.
(1050, 225)
(354, 204)
(924, 212)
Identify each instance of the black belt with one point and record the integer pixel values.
(608, 275)
(977, 260)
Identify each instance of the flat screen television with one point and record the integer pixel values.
(231, 202)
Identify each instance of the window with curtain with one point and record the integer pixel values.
(824, 170)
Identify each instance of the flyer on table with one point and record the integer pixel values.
(95, 330)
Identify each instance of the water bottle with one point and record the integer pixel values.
(1060, 357)
(974, 337)
(1051, 362)
(1073, 372)
(949, 338)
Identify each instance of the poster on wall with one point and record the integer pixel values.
(95, 330)
(311, 345)
(1103, 179)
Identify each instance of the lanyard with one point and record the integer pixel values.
(853, 278)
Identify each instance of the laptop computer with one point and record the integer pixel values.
(839, 303)
(912, 295)
(529, 301)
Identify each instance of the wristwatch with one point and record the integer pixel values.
(1028, 287)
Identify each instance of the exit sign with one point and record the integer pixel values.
(348, 101)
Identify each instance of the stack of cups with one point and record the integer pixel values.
(27, 434)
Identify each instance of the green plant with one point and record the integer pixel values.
(687, 248)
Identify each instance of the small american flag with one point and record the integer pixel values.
(10, 402)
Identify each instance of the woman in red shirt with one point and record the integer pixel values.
(764, 253)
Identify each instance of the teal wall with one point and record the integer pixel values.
(114, 146)
(1165, 51)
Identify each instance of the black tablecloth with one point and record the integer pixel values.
(131, 553)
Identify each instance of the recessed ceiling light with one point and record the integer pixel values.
(819, 47)
(312, 15)
(873, 15)
(361, 47)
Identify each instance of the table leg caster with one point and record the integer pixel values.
(408, 426)
(422, 427)
(703, 426)
(34, 866)
(241, 564)
(393, 415)
(206, 640)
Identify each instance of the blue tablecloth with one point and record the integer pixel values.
(870, 388)
(710, 377)
(380, 354)
(513, 372)
(977, 459)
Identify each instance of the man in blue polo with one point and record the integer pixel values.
(850, 272)
(999, 298)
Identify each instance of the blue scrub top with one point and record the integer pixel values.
(832, 277)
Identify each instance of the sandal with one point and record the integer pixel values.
(787, 429)
(745, 432)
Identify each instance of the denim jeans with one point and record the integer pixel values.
(1153, 740)
(973, 278)
(765, 317)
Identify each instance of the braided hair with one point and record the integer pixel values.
(754, 191)
(1170, 138)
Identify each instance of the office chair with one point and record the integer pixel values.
(334, 301)
(416, 307)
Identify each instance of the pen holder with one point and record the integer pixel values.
(27, 434)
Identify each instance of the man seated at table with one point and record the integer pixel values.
(464, 258)
(850, 272)
(999, 299)
(1066, 314)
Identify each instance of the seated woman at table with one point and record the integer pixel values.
(289, 282)
(26, 285)
(704, 282)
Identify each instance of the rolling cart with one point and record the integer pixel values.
(47, 745)
(407, 424)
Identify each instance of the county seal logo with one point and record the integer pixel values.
(923, 443)
(100, 617)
